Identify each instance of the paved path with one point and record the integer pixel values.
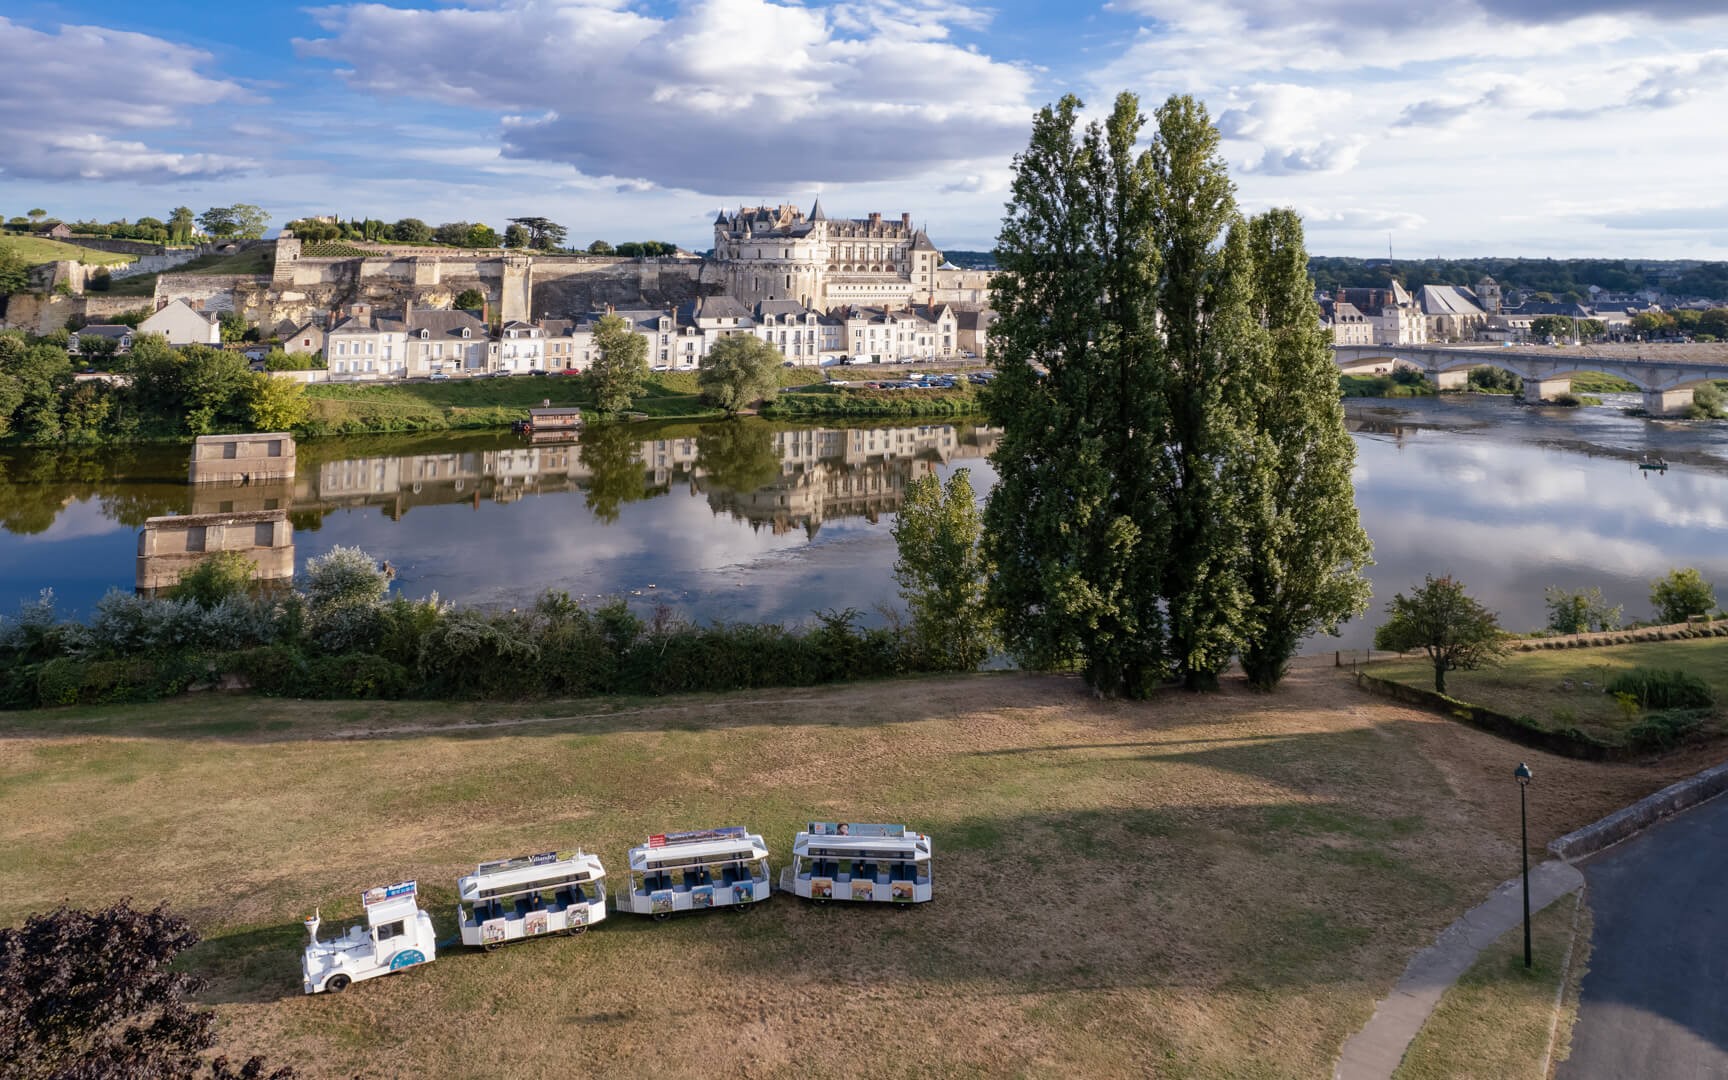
(1375, 1052)
(1654, 1001)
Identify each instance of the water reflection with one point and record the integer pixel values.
(761, 521)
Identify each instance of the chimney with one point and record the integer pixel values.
(875, 217)
(906, 222)
(408, 311)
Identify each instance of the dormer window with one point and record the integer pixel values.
(467, 333)
(424, 334)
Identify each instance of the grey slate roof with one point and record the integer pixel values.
(445, 324)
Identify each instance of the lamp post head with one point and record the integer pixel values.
(1522, 773)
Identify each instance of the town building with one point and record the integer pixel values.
(1454, 312)
(307, 340)
(179, 323)
(780, 253)
(520, 348)
(443, 341)
(1347, 325)
(118, 333)
(1394, 316)
(365, 345)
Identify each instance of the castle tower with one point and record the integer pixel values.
(1488, 292)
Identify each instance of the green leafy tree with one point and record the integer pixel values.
(411, 231)
(14, 271)
(1715, 322)
(1442, 620)
(1681, 595)
(219, 221)
(276, 404)
(249, 221)
(1590, 329)
(1648, 323)
(1579, 611)
(216, 578)
(1077, 557)
(515, 236)
(95, 994)
(1305, 546)
(233, 324)
(481, 236)
(739, 371)
(454, 233)
(543, 234)
(617, 376)
(600, 247)
(180, 224)
(1558, 327)
(470, 300)
(942, 572)
(37, 214)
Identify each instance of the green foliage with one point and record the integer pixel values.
(233, 325)
(617, 375)
(354, 675)
(738, 455)
(1681, 595)
(616, 474)
(538, 233)
(738, 372)
(1439, 618)
(344, 577)
(600, 247)
(470, 300)
(1658, 688)
(1140, 467)
(942, 573)
(1493, 380)
(411, 231)
(276, 404)
(215, 579)
(645, 249)
(14, 271)
(1580, 611)
(1666, 729)
(1556, 327)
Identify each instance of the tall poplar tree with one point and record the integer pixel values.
(1149, 518)
(1305, 547)
(1076, 568)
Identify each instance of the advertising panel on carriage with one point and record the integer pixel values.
(696, 870)
(861, 861)
(528, 896)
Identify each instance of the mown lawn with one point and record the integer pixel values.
(1204, 886)
(1563, 688)
(37, 249)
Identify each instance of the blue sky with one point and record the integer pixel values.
(1521, 127)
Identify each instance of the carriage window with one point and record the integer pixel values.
(390, 930)
(759, 869)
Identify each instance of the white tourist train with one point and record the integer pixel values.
(848, 861)
(696, 871)
(397, 935)
(530, 895)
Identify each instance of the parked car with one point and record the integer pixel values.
(502, 373)
(439, 376)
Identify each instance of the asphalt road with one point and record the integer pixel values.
(1654, 1003)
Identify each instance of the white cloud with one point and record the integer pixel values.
(79, 103)
(720, 96)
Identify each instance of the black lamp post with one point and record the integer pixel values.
(1522, 773)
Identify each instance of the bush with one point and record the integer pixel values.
(273, 670)
(354, 675)
(58, 682)
(1666, 729)
(219, 576)
(1681, 595)
(1657, 688)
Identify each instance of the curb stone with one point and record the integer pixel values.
(1641, 814)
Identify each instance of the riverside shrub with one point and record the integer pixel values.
(1659, 688)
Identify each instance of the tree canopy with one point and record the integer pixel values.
(941, 572)
(1174, 470)
(541, 234)
(739, 371)
(1681, 594)
(617, 375)
(1441, 619)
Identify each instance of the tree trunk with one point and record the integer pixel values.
(1439, 675)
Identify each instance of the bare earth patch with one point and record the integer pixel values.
(1193, 886)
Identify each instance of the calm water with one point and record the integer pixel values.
(756, 521)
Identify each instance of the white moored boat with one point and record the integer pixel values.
(696, 871)
(555, 892)
(848, 861)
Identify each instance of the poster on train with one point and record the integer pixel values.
(742, 893)
(576, 915)
(854, 828)
(821, 888)
(660, 902)
(494, 931)
(534, 923)
(903, 892)
(863, 890)
(702, 896)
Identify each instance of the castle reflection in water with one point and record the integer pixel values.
(782, 479)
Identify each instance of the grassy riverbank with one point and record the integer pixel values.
(1198, 885)
(40, 249)
(359, 408)
(1563, 688)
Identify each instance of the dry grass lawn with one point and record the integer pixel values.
(1206, 886)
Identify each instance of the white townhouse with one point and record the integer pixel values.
(569, 344)
(181, 324)
(897, 335)
(796, 331)
(520, 348)
(366, 346)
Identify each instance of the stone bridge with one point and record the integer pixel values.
(1667, 375)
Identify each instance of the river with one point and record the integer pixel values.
(754, 521)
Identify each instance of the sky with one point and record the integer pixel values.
(1468, 128)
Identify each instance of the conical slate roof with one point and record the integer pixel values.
(816, 213)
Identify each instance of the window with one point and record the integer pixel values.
(467, 333)
(391, 930)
